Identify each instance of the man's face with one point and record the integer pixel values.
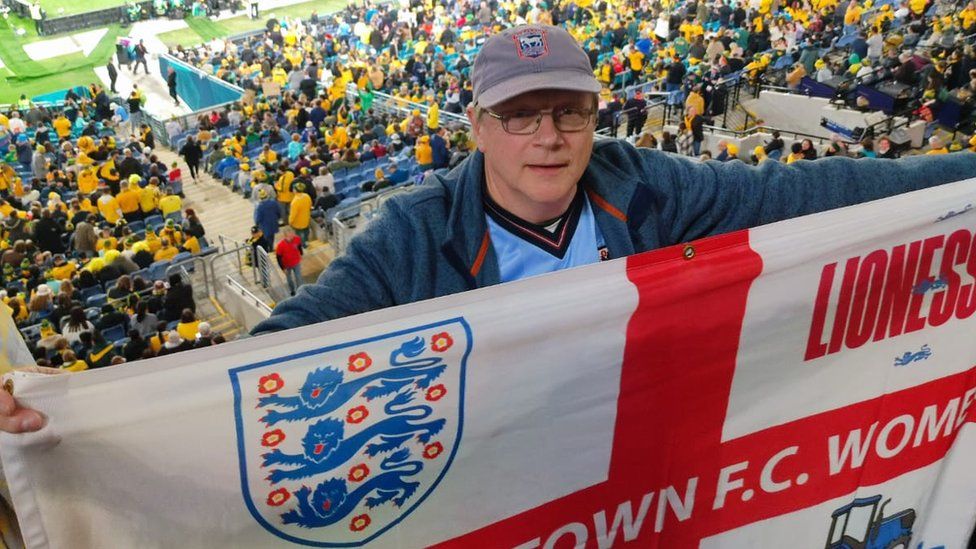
(534, 176)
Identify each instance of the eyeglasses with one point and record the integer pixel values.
(569, 119)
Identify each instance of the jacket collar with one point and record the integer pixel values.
(467, 243)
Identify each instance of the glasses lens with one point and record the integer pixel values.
(523, 122)
(571, 120)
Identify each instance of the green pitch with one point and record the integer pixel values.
(58, 8)
(23, 75)
(203, 30)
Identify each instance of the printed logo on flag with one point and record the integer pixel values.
(337, 445)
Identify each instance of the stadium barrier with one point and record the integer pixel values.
(241, 304)
(198, 89)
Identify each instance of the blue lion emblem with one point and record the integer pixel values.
(324, 391)
(908, 357)
(324, 447)
(337, 445)
(331, 502)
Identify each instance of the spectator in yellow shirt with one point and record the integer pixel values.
(188, 325)
(300, 212)
(87, 181)
(149, 196)
(62, 126)
(166, 251)
(170, 203)
(152, 242)
(129, 200)
(424, 152)
(283, 190)
(172, 232)
(63, 269)
(108, 206)
(936, 146)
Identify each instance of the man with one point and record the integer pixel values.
(134, 103)
(288, 253)
(499, 215)
(636, 114)
(141, 52)
(113, 75)
(171, 84)
(37, 15)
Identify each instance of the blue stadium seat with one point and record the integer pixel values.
(96, 300)
(155, 221)
(138, 225)
(92, 313)
(114, 333)
(85, 293)
(183, 256)
(157, 271)
(205, 247)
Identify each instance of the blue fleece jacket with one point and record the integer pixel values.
(434, 241)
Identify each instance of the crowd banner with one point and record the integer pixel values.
(804, 384)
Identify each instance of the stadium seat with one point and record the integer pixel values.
(157, 271)
(144, 273)
(155, 221)
(138, 225)
(31, 333)
(114, 333)
(183, 256)
(120, 344)
(176, 216)
(96, 300)
(92, 313)
(85, 293)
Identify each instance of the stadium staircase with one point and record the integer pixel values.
(225, 282)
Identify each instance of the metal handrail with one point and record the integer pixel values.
(236, 250)
(739, 134)
(247, 293)
(181, 265)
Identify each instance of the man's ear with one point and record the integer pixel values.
(475, 125)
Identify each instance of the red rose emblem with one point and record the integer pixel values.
(270, 383)
(357, 414)
(272, 438)
(441, 342)
(359, 523)
(433, 450)
(358, 473)
(359, 362)
(436, 392)
(278, 497)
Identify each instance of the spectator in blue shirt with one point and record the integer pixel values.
(398, 175)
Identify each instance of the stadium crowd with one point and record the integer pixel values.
(91, 220)
(421, 54)
(91, 223)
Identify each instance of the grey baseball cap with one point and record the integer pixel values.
(527, 58)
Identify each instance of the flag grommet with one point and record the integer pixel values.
(689, 251)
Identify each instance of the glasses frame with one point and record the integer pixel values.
(504, 119)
